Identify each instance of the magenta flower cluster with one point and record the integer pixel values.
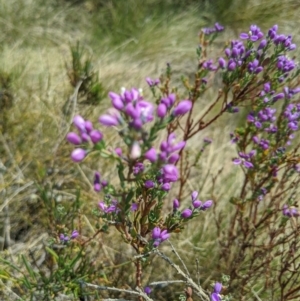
(112, 207)
(197, 206)
(159, 235)
(87, 134)
(290, 211)
(65, 238)
(245, 159)
(215, 29)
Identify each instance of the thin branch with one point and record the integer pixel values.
(138, 291)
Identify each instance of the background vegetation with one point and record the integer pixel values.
(46, 47)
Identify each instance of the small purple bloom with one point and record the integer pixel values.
(149, 184)
(96, 136)
(186, 213)
(79, 122)
(156, 233)
(161, 110)
(116, 100)
(207, 205)
(97, 185)
(147, 290)
(170, 173)
(175, 204)
(215, 297)
(194, 195)
(88, 126)
(74, 234)
(108, 120)
(197, 204)
(166, 187)
(74, 138)
(183, 107)
(151, 155)
(222, 63)
(78, 154)
(134, 207)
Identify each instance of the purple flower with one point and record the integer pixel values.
(219, 27)
(215, 297)
(253, 35)
(222, 63)
(79, 122)
(218, 288)
(244, 159)
(186, 213)
(166, 187)
(116, 100)
(170, 173)
(64, 238)
(88, 126)
(183, 107)
(175, 204)
(108, 120)
(134, 207)
(194, 195)
(161, 110)
(197, 204)
(78, 154)
(156, 233)
(207, 205)
(290, 211)
(151, 155)
(152, 82)
(278, 96)
(97, 185)
(96, 136)
(74, 138)
(147, 290)
(231, 65)
(208, 65)
(74, 234)
(138, 168)
(159, 236)
(149, 184)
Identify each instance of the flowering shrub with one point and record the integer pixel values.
(259, 75)
(258, 240)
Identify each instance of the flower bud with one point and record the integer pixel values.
(173, 158)
(197, 204)
(135, 152)
(116, 100)
(222, 63)
(175, 204)
(149, 184)
(88, 126)
(166, 187)
(79, 122)
(151, 155)
(156, 233)
(74, 138)
(96, 136)
(108, 120)
(74, 234)
(78, 154)
(183, 107)
(164, 235)
(207, 205)
(161, 110)
(194, 195)
(186, 213)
